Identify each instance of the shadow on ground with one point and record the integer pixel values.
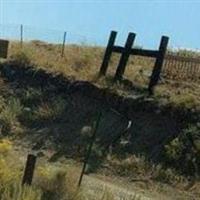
(59, 113)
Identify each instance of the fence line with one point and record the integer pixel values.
(181, 67)
(174, 66)
(24, 33)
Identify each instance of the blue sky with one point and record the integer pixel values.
(94, 19)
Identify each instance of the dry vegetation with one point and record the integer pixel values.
(50, 183)
(163, 146)
(83, 63)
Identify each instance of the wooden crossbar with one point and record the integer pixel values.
(140, 52)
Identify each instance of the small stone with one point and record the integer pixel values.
(27, 109)
(86, 131)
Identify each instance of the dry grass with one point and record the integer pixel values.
(50, 182)
(137, 168)
(10, 110)
(83, 63)
(79, 62)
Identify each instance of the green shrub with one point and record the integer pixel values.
(166, 175)
(184, 101)
(130, 166)
(8, 115)
(31, 96)
(50, 110)
(184, 151)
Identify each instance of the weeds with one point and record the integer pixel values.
(83, 63)
(51, 183)
(15, 191)
(185, 151)
(140, 169)
(33, 106)
(9, 116)
(21, 58)
(51, 110)
(31, 96)
(5, 146)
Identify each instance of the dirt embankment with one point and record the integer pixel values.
(58, 112)
(154, 124)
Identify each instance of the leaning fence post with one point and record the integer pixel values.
(21, 35)
(89, 149)
(29, 169)
(108, 53)
(124, 57)
(158, 64)
(63, 45)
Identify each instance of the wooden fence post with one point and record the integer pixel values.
(158, 64)
(29, 169)
(124, 57)
(108, 53)
(89, 149)
(63, 46)
(4, 48)
(21, 35)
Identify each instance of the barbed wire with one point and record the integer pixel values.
(28, 33)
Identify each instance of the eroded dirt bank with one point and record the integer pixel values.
(57, 115)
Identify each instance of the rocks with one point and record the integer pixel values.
(86, 131)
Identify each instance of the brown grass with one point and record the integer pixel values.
(83, 63)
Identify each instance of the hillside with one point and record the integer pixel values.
(83, 63)
(49, 103)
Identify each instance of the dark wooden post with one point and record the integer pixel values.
(108, 53)
(21, 35)
(89, 149)
(124, 57)
(4, 48)
(158, 64)
(29, 169)
(63, 45)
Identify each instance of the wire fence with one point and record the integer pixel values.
(24, 33)
(176, 66)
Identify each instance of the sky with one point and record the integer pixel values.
(92, 20)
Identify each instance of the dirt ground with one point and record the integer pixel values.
(57, 118)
